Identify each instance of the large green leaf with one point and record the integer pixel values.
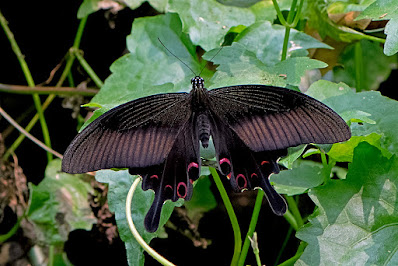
(382, 110)
(384, 10)
(149, 68)
(376, 114)
(255, 57)
(90, 6)
(207, 21)
(59, 205)
(373, 71)
(357, 218)
(266, 40)
(119, 184)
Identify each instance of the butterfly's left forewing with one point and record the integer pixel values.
(271, 118)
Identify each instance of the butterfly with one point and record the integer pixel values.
(159, 138)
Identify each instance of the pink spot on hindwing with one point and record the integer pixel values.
(239, 179)
(225, 166)
(184, 187)
(154, 176)
(264, 162)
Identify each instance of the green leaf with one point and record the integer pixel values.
(266, 40)
(374, 71)
(159, 5)
(293, 154)
(255, 57)
(357, 218)
(323, 89)
(119, 184)
(317, 12)
(383, 112)
(208, 21)
(90, 6)
(298, 180)
(344, 152)
(149, 68)
(59, 205)
(294, 68)
(383, 10)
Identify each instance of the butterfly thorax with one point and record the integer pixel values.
(200, 98)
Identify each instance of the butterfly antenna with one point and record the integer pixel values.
(177, 57)
(208, 62)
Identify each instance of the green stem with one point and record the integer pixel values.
(298, 254)
(13, 230)
(88, 68)
(289, 233)
(285, 44)
(252, 227)
(295, 211)
(231, 214)
(51, 255)
(51, 97)
(279, 13)
(291, 219)
(358, 66)
(29, 79)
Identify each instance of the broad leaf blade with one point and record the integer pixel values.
(59, 205)
(357, 219)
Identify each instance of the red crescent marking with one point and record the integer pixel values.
(253, 175)
(168, 186)
(154, 176)
(225, 160)
(192, 164)
(264, 162)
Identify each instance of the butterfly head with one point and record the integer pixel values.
(197, 83)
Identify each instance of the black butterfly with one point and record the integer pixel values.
(158, 137)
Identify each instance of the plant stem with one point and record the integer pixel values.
(279, 13)
(13, 230)
(27, 134)
(133, 229)
(231, 214)
(291, 220)
(298, 254)
(295, 211)
(51, 97)
(88, 68)
(51, 255)
(289, 233)
(17, 89)
(358, 66)
(29, 79)
(252, 226)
